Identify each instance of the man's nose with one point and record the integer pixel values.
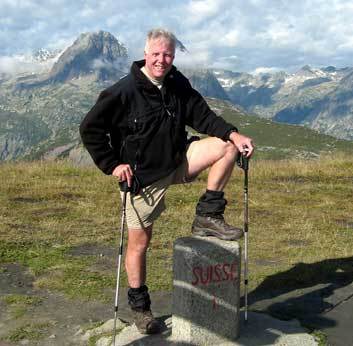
(161, 58)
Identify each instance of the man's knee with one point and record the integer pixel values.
(224, 148)
(206, 152)
(227, 150)
(138, 247)
(139, 239)
(230, 150)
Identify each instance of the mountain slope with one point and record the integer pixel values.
(335, 112)
(206, 83)
(318, 98)
(38, 119)
(40, 113)
(92, 53)
(19, 134)
(278, 140)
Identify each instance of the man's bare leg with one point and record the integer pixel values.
(135, 264)
(135, 258)
(215, 153)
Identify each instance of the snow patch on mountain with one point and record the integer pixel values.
(225, 82)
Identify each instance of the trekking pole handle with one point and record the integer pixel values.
(135, 187)
(243, 161)
(124, 187)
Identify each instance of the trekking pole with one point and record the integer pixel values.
(125, 189)
(243, 162)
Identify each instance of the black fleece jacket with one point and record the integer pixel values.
(134, 122)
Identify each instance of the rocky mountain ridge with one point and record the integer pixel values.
(318, 98)
(40, 112)
(92, 53)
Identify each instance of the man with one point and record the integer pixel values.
(136, 132)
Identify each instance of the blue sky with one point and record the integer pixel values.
(240, 35)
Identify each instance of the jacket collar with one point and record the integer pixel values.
(143, 81)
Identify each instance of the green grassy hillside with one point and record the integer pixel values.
(35, 121)
(278, 140)
(62, 222)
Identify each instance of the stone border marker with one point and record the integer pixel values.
(206, 291)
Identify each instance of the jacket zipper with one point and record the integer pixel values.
(165, 107)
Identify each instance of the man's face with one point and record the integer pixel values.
(159, 58)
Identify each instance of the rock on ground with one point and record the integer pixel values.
(261, 330)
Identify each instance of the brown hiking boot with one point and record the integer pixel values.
(204, 226)
(145, 322)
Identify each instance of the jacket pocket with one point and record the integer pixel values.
(140, 123)
(143, 128)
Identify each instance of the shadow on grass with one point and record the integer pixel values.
(306, 291)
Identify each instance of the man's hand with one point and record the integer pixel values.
(244, 144)
(123, 172)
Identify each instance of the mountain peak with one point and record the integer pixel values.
(329, 69)
(305, 71)
(98, 53)
(306, 68)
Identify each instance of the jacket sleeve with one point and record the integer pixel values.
(201, 118)
(95, 131)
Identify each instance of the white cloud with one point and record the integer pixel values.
(225, 62)
(120, 64)
(17, 64)
(231, 38)
(267, 33)
(278, 34)
(261, 70)
(200, 10)
(87, 12)
(193, 59)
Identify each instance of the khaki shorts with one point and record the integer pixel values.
(143, 209)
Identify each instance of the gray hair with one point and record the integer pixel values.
(160, 33)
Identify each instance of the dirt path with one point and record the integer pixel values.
(29, 316)
(46, 318)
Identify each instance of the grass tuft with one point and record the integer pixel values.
(19, 304)
(31, 332)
